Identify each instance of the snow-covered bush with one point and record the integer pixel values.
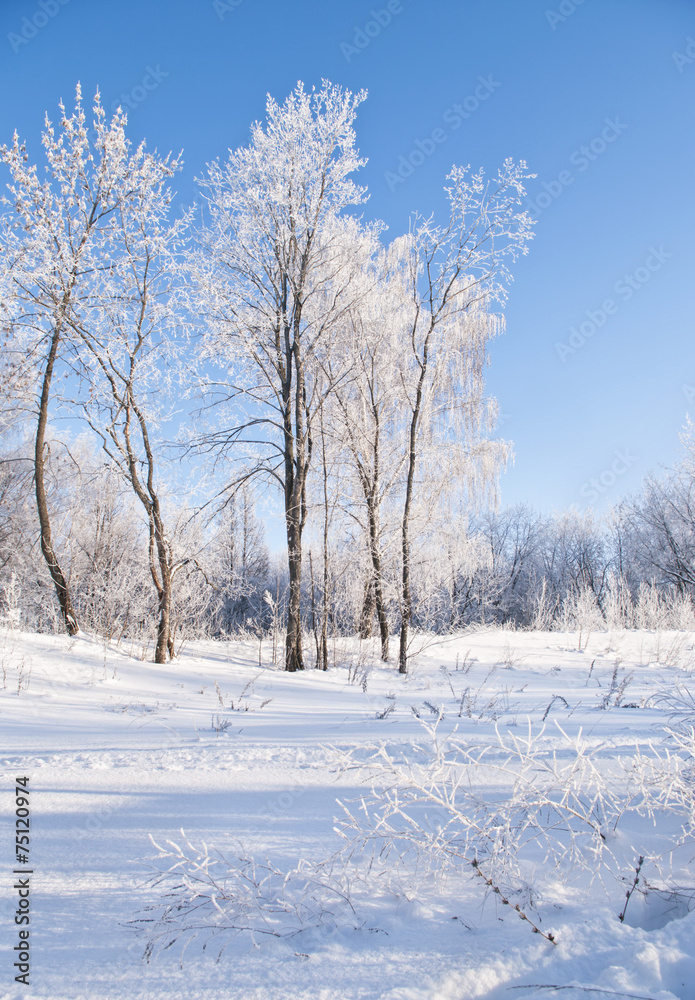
(651, 611)
(211, 896)
(523, 818)
(529, 820)
(580, 611)
(618, 609)
(428, 813)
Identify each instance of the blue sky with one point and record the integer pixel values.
(597, 96)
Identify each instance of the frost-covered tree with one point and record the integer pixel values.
(130, 335)
(239, 563)
(364, 417)
(96, 527)
(575, 554)
(276, 278)
(17, 525)
(50, 238)
(656, 528)
(452, 276)
(83, 248)
(495, 566)
(108, 568)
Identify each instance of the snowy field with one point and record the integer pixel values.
(562, 761)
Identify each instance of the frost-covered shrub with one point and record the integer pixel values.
(580, 611)
(213, 897)
(651, 611)
(682, 612)
(527, 819)
(618, 610)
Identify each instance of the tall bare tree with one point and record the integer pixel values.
(452, 277)
(68, 242)
(364, 411)
(276, 279)
(130, 334)
(49, 240)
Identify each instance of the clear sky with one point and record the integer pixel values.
(597, 96)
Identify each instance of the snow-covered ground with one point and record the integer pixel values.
(244, 757)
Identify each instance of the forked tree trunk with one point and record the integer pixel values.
(49, 554)
(161, 567)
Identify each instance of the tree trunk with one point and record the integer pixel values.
(160, 560)
(373, 518)
(324, 627)
(383, 620)
(164, 649)
(314, 616)
(293, 640)
(297, 454)
(326, 522)
(57, 575)
(367, 613)
(161, 567)
(406, 605)
(406, 596)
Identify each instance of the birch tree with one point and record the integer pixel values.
(365, 420)
(276, 280)
(452, 276)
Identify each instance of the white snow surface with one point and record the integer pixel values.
(236, 752)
